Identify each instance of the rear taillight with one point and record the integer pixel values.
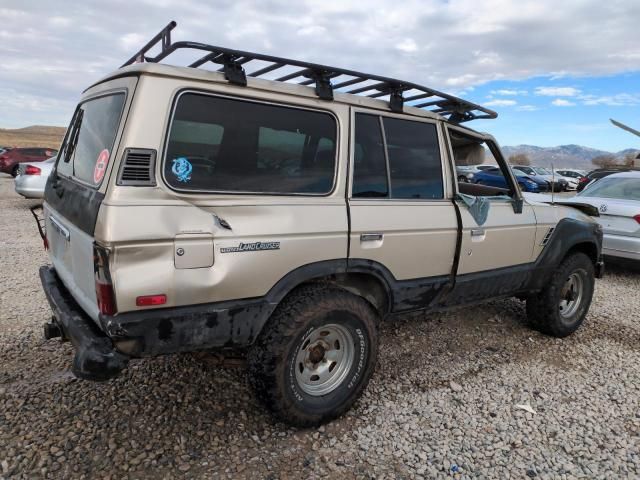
(637, 218)
(32, 170)
(104, 287)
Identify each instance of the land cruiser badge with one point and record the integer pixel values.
(182, 169)
(252, 247)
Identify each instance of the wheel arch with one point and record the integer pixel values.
(368, 281)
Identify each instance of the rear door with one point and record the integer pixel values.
(402, 222)
(76, 188)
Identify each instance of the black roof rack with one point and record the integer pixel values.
(326, 79)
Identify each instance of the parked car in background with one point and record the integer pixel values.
(32, 178)
(572, 173)
(466, 173)
(559, 184)
(10, 159)
(617, 198)
(485, 166)
(493, 177)
(599, 173)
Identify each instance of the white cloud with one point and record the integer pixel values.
(561, 102)
(462, 43)
(557, 91)
(618, 100)
(501, 102)
(509, 92)
(132, 41)
(527, 108)
(407, 45)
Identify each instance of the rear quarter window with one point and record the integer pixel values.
(94, 139)
(220, 144)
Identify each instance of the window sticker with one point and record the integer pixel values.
(182, 169)
(101, 166)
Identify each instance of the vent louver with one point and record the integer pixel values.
(547, 237)
(138, 168)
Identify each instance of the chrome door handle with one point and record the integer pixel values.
(477, 232)
(370, 237)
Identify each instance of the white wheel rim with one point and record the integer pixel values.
(324, 359)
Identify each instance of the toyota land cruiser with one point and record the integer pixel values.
(284, 209)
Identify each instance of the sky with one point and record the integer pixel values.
(554, 71)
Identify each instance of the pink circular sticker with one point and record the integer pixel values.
(101, 166)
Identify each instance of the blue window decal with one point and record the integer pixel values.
(182, 169)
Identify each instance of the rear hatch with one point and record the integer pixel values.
(77, 186)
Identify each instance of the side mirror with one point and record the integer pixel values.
(518, 204)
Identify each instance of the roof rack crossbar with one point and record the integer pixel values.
(270, 68)
(457, 109)
(418, 97)
(350, 82)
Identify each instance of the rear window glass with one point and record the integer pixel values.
(89, 143)
(620, 188)
(222, 144)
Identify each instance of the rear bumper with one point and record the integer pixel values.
(95, 355)
(621, 246)
(30, 186)
(102, 352)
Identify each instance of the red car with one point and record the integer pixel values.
(10, 159)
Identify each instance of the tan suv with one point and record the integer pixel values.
(283, 209)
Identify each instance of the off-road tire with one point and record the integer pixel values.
(543, 309)
(272, 359)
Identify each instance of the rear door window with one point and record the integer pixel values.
(90, 138)
(369, 163)
(409, 168)
(229, 145)
(415, 167)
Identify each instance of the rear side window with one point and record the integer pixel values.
(408, 168)
(90, 138)
(369, 164)
(414, 159)
(222, 144)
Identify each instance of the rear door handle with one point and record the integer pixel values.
(370, 237)
(477, 232)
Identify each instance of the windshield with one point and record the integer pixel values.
(619, 188)
(541, 171)
(519, 173)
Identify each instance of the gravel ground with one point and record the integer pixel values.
(442, 402)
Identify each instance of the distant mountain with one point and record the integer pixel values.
(34, 136)
(567, 156)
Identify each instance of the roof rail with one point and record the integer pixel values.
(326, 79)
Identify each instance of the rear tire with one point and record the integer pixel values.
(559, 309)
(14, 171)
(315, 356)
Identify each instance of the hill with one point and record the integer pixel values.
(34, 136)
(567, 156)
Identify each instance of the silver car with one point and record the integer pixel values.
(617, 197)
(32, 178)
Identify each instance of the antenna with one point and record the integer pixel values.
(553, 182)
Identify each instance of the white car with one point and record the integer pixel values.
(617, 198)
(32, 178)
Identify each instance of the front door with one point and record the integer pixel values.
(498, 232)
(402, 223)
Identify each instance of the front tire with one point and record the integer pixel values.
(559, 309)
(315, 356)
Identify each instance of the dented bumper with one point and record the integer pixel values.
(96, 357)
